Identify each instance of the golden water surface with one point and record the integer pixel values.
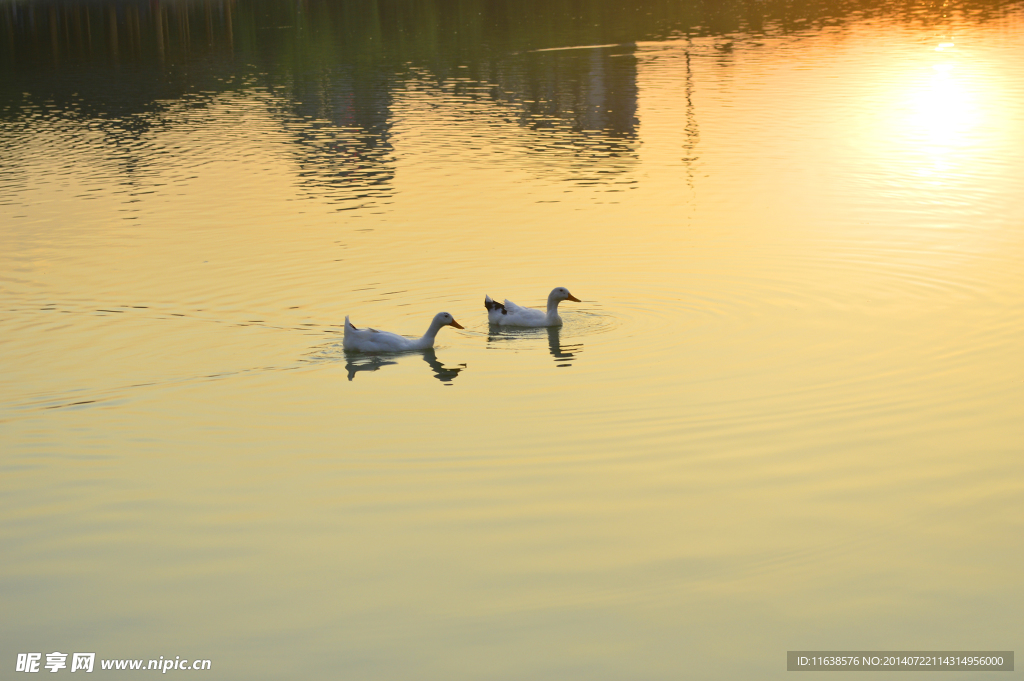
(787, 414)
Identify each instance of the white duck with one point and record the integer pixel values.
(511, 314)
(372, 340)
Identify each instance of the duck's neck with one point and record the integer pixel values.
(428, 338)
(553, 308)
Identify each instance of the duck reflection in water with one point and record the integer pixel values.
(563, 354)
(357, 361)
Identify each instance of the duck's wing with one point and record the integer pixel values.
(351, 331)
(524, 316)
(385, 341)
(512, 308)
(372, 340)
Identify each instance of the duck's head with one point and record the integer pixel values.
(562, 293)
(445, 319)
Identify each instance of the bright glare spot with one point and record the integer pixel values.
(943, 109)
(944, 46)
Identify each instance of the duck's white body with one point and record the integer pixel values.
(510, 314)
(372, 340)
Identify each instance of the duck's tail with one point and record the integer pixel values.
(492, 305)
(349, 325)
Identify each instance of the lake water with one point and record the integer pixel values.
(787, 414)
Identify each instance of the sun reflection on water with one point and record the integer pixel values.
(945, 110)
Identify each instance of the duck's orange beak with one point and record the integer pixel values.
(456, 324)
(574, 299)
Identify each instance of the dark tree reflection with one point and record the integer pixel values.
(328, 70)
